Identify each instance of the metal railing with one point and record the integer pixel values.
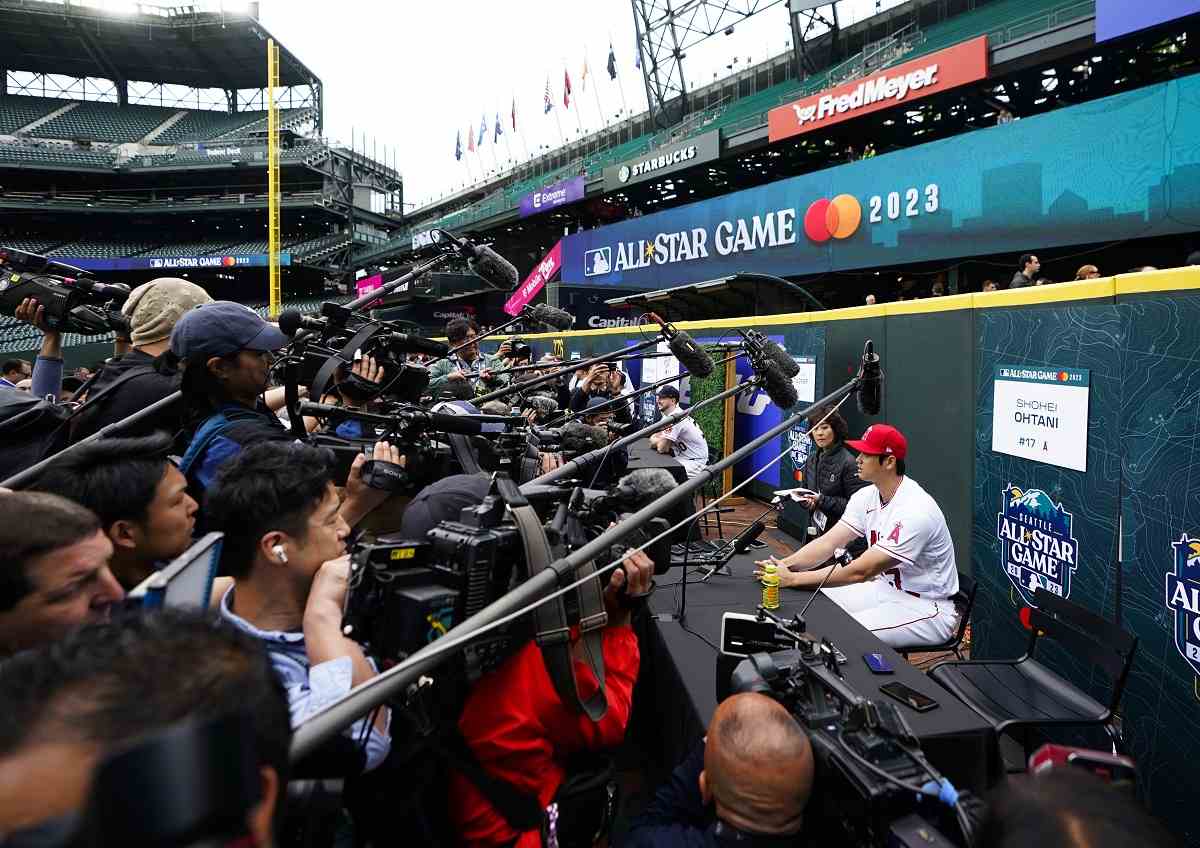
(1042, 22)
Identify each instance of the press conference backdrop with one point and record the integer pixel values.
(1039, 181)
(1137, 335)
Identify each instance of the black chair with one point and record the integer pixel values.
(964, 602)
(1023, 694)
(711, 491)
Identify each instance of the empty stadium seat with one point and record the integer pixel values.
(105, 122)
(16, 111)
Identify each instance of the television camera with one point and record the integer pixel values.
(73, 300)
(871, 773)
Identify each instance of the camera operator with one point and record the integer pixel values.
(606, 382)
(107, 687)
(346, 393)
(285, 548)
(54, 571)
(139, 495)
(451, 374)
(137, 377)
(513, 721)
(746, 783)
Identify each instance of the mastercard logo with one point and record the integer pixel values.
(1063, 376)
(838, 218)
(228, 261)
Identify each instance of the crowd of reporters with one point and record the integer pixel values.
(83, 680)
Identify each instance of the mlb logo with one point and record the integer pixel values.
(598, 261)
(156, 263)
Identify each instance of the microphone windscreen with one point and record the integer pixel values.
(555, 319)
(787, 365)
(578, 438)
(870, 390)
(779, 388)
(691, 356)
(648, 484)
(493, 269)
(290, 321)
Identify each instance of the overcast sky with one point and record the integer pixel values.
(411, 75)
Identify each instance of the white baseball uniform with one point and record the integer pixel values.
(909, 604)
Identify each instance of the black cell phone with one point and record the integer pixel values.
(908, 696)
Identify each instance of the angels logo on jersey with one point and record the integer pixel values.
(894, 536)
(1037, 543)
(1183, 597)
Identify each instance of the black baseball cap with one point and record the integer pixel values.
(221, 328)
(669, 391)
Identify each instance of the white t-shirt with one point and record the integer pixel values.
(690, 447)
(912, 529)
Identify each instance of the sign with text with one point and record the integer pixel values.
(932, 74)
(1041, 413)
(559, 194)
(1115, 18)
(545, 270)
(665, 160)
(137, 263)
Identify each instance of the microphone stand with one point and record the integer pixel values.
(391, 684)
(729, 550)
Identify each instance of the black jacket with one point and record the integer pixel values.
(679, 818)
(622, 412)
(134, 395)
(834, 473)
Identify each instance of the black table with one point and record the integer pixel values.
(678, 679)
(641, 455)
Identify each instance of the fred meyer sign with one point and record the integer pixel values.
(937, 72)
(665, 160)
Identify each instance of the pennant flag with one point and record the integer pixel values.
(458, 145)
(470, 140)
(637, 54)
(612, 63)
(514, 114)
(549, 104)
(566, 89)
(482, 129)
(499, 132)
(583, 78)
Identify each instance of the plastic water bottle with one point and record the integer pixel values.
(770, 583)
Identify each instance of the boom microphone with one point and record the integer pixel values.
(763, 349)
(639, 487)
(484, 262)
(291, 321)
(555, 319)
(691, 356)
(578, 438)
(779, 388)
(870, 387)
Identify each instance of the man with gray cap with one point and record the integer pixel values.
(130, 382)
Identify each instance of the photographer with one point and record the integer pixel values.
(139, 495)
(107, 687)
(513, 721)
(606, 382)
(452, 374)
(285, 548)
(54, 571)
(134, 380)
(747, 783)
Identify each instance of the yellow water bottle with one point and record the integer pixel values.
(770, 582)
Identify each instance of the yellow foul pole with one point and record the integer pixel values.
(273, 237)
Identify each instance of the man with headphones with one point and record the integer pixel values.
(285, 548)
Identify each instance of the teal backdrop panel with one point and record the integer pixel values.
(1160, 429)
(1087, 336)
(801, 340)
(929, 389)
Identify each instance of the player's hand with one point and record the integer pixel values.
(760, 564)
(809, 502)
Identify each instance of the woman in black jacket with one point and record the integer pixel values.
(832, 472)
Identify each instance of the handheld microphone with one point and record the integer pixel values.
(555, 319)
(779, 388)
(691, 356)
(870, 389)
(484, 262)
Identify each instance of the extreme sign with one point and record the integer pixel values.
(937, 72)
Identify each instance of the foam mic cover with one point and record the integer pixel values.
(691, 356)
(640, 487)
(555, 319)
(543, 407)
(779, 356)
(578, 438)
(291, 321)
(870, 388)
(493, 268)
(779, 388)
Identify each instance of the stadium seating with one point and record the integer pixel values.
(207, 247)
(29, 245)
(105, 122)
(101, 249)
(17, 111)
(54, 155)
(204, 125)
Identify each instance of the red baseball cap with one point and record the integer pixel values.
(881, 439)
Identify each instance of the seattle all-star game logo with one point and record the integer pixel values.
(1038, 548)
(1183, 598)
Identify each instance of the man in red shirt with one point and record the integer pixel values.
(523, 734)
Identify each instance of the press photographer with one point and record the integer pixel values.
(452, 375)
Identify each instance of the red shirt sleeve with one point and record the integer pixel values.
(521, 732)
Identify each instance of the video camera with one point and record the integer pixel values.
(74, 301)
(871, 772)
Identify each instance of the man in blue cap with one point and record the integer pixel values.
(226, 352)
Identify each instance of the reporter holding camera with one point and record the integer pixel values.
(453, 374)
(285, 548)
(607, 382)
(747, 783)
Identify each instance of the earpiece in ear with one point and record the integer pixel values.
(281, 553)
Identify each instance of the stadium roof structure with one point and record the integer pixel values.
(177, 45)
(724, 296)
